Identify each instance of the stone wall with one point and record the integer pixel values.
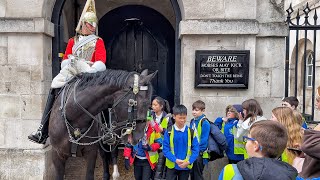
(25, 75)
(265, 69)
(19, 164)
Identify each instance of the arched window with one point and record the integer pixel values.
(309, 70)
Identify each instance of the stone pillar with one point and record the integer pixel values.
(25, 76)
(270, 55)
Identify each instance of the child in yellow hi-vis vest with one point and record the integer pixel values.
(252, 113)
(201, 125)
(180, 147)
(235, 150)
(144, 155)
(160, 114)
(264, 144)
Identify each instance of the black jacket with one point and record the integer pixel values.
(266, 169)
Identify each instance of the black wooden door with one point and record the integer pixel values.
(136, 49)
(139, 38)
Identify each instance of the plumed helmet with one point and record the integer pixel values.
(88, 15)
(91, 18)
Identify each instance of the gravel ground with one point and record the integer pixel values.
(75, 169)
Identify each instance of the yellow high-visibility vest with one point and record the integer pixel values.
(171, 164)
(199, 130)
(239, 147)
(154, 156)
(164, 123)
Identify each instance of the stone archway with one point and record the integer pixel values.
(58, 44)
(300, 69)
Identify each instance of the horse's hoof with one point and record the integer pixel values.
(115, 176)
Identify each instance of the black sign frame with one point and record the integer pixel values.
(239, 58)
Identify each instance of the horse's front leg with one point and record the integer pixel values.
(114, 156)
(59, 165)
(105, 162)
(91, 157)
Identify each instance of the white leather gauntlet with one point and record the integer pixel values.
(97, 66)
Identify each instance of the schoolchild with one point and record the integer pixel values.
(161, 116)
(284, 116)
(228, 127)
(292, 103)
(264, 144)
(252, 113)
(160, 113)
(311, 149)
(201, 126)
(180, 146)
(144, 155)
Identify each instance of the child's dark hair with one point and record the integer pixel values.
(179, 110)
(253, 109)
(293, 101)
(199, 105)
(271, 135)
(164, 103)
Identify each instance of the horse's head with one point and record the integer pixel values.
(137, 101)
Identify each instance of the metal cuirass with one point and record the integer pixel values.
(86, 50)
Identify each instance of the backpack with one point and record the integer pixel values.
(217, 142)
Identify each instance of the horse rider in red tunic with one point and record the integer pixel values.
(85, 53)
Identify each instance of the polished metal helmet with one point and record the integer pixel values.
(88, 15)
(91, 18)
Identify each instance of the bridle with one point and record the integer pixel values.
(129, 125)
(109, 133)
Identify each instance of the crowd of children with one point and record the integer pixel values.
(256, 147)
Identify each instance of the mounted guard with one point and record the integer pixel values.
(85, 53)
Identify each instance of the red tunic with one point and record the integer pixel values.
(99, 53)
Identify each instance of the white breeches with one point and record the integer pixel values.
(68, 71)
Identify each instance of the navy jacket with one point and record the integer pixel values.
(228, 133)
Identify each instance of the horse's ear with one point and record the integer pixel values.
(147, 79)
(144, 72)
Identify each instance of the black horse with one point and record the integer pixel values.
(73, 121)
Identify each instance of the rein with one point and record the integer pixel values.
(77, 132)
(109, 134)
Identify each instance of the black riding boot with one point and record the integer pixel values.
(41, 135)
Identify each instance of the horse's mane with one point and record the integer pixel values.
(109, 77)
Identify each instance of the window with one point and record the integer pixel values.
(309, 70)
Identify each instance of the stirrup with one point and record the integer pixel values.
(38, 137)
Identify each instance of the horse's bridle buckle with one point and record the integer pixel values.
(132, 102)
(77, 132)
